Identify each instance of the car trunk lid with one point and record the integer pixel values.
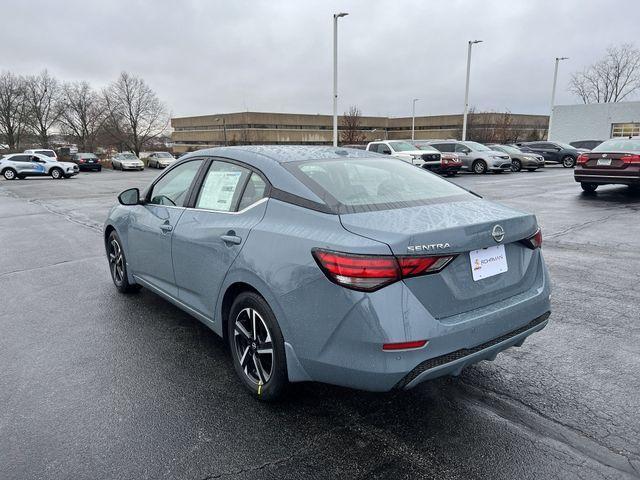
(455, 228)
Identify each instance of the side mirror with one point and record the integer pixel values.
(387, 152)
(130, 197)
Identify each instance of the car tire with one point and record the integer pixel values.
(516, 165)
(589, 187)
(568, 161)
(479, 167)
(56, 173)
(251, 328)
(118, 264)
(10, 174)
(99, 169)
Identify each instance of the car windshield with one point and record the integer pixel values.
(508, 149)
(164, 155)
(426, 147)
(476, 147)
(365, 184)
(618, 145)
(86, 155)
(128, 156)
(402, 146)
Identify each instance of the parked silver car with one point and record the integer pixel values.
(21, 165)
(475, 157)
(519, 159)
(160, 160)
(126, 161)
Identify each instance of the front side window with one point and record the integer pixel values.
(222, 186)
(363, 184)
(172, 188)
(48, 153)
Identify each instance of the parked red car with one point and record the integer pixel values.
(615, 161)
(444, 163)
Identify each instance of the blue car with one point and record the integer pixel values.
(332, 265)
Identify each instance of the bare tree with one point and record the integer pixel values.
(43, 94)
(135, 115)
(351, 133)
(83, 114)
(611, 79)
(13, 108)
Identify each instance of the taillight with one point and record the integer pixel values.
(534, 241)
(394, 347)
(582, 159)
(631, 159)
(372, 272)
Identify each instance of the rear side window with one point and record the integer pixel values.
(48, 153)
(254, 191)
(222, 186)
(355, 185)
(173, 187)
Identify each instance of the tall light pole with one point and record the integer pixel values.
(413, 119)
(336, 16)
(553, 94)
(466, 91)
(224, 129)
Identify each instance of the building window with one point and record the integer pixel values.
(625, 130)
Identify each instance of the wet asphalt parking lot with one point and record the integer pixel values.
(97, 385)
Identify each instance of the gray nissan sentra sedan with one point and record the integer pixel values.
(332, 265)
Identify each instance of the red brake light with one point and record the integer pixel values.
(534, 241)
(390, 347)
(582, 159)
(372, 272)
(631, 159)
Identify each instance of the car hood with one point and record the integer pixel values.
(66, 164)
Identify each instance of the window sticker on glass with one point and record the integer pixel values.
(218, 190)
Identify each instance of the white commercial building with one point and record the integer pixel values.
(595, 121)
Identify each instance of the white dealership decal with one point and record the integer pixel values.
(488, 262)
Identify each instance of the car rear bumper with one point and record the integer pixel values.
(453, 363)
(90, 166)
(627, 176)
(353, 356)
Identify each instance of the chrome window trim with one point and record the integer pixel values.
(248, 207)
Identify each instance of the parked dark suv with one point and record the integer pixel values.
(553, 152)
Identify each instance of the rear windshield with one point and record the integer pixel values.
(364, 184)
(618, 145)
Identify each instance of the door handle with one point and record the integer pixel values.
(233, 239)
(165, 227)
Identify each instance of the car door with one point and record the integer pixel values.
(22, 164)
(38, 166)
(208, 238)
(151, 226)
(464, 154)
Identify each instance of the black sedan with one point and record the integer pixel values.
(87, 161)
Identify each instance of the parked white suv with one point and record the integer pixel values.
(399, 149)
(42, 151)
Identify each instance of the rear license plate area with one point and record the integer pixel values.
(488, 262)
(604, 162)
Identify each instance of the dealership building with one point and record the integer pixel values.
(595, 121)
(246, 128)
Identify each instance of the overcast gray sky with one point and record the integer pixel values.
(204, 56)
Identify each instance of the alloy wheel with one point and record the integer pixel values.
(568, 162)
(116, 261)
(254, 347)
(55, 173)
(9, 174)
